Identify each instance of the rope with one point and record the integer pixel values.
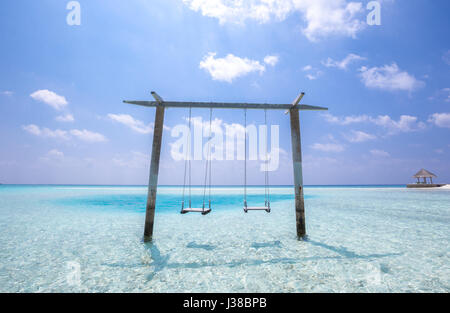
(265, 159)
(210, 156)
(267, 188)
(187, 163)
(208, 163)
(189, 157)
(245, 163)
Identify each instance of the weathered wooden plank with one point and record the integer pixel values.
(154, 170)
(298, 174)
(296, 102)
(225, 105)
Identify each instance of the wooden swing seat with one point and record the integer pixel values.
(195, 210)
(262, 208)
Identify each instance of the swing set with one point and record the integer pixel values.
(186, 204)
(208, 173)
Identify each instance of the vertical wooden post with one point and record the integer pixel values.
(298, 174)
(154, 170)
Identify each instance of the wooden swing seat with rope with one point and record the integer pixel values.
(187, 174)
(266, 206)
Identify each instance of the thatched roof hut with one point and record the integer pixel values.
(424, 174)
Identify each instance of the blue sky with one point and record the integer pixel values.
(61, 87)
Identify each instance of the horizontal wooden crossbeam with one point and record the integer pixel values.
(225, 105)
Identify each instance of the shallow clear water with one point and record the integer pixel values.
(88, 239)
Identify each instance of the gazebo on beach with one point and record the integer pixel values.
(424, 175)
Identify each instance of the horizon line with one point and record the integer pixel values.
(175, 185)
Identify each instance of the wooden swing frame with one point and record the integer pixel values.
(292, 109)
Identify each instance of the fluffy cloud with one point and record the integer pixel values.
(129, 121)
(347, 120)
(313, 73)
(45, 132)
(328, 147)
(322, 17)
(229, 68)
(389, 77)
(344, 63)
(313, 76)
(65, 118)
(440, 119)
(406, 123)
(88, 136)
(330, 17)
(84, 135)
(360, 136)
(271, 60)
(49, 97)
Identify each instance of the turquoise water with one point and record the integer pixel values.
(88, 239)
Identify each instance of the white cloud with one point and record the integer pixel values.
(45, 132)
(229, 68)
(312, 76)
(380, 153)
(389, 77)
(322, 17)
(32, 129)
(7, 93)
(360, 136)
(440, 119)
(87, 135)
(49, 97)
(84, 135)
(347, 120)
(405, 124)
(344, 63)
(272, 60)
(134, 124)
(330, 17)
(65, 118)
(328, 147)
